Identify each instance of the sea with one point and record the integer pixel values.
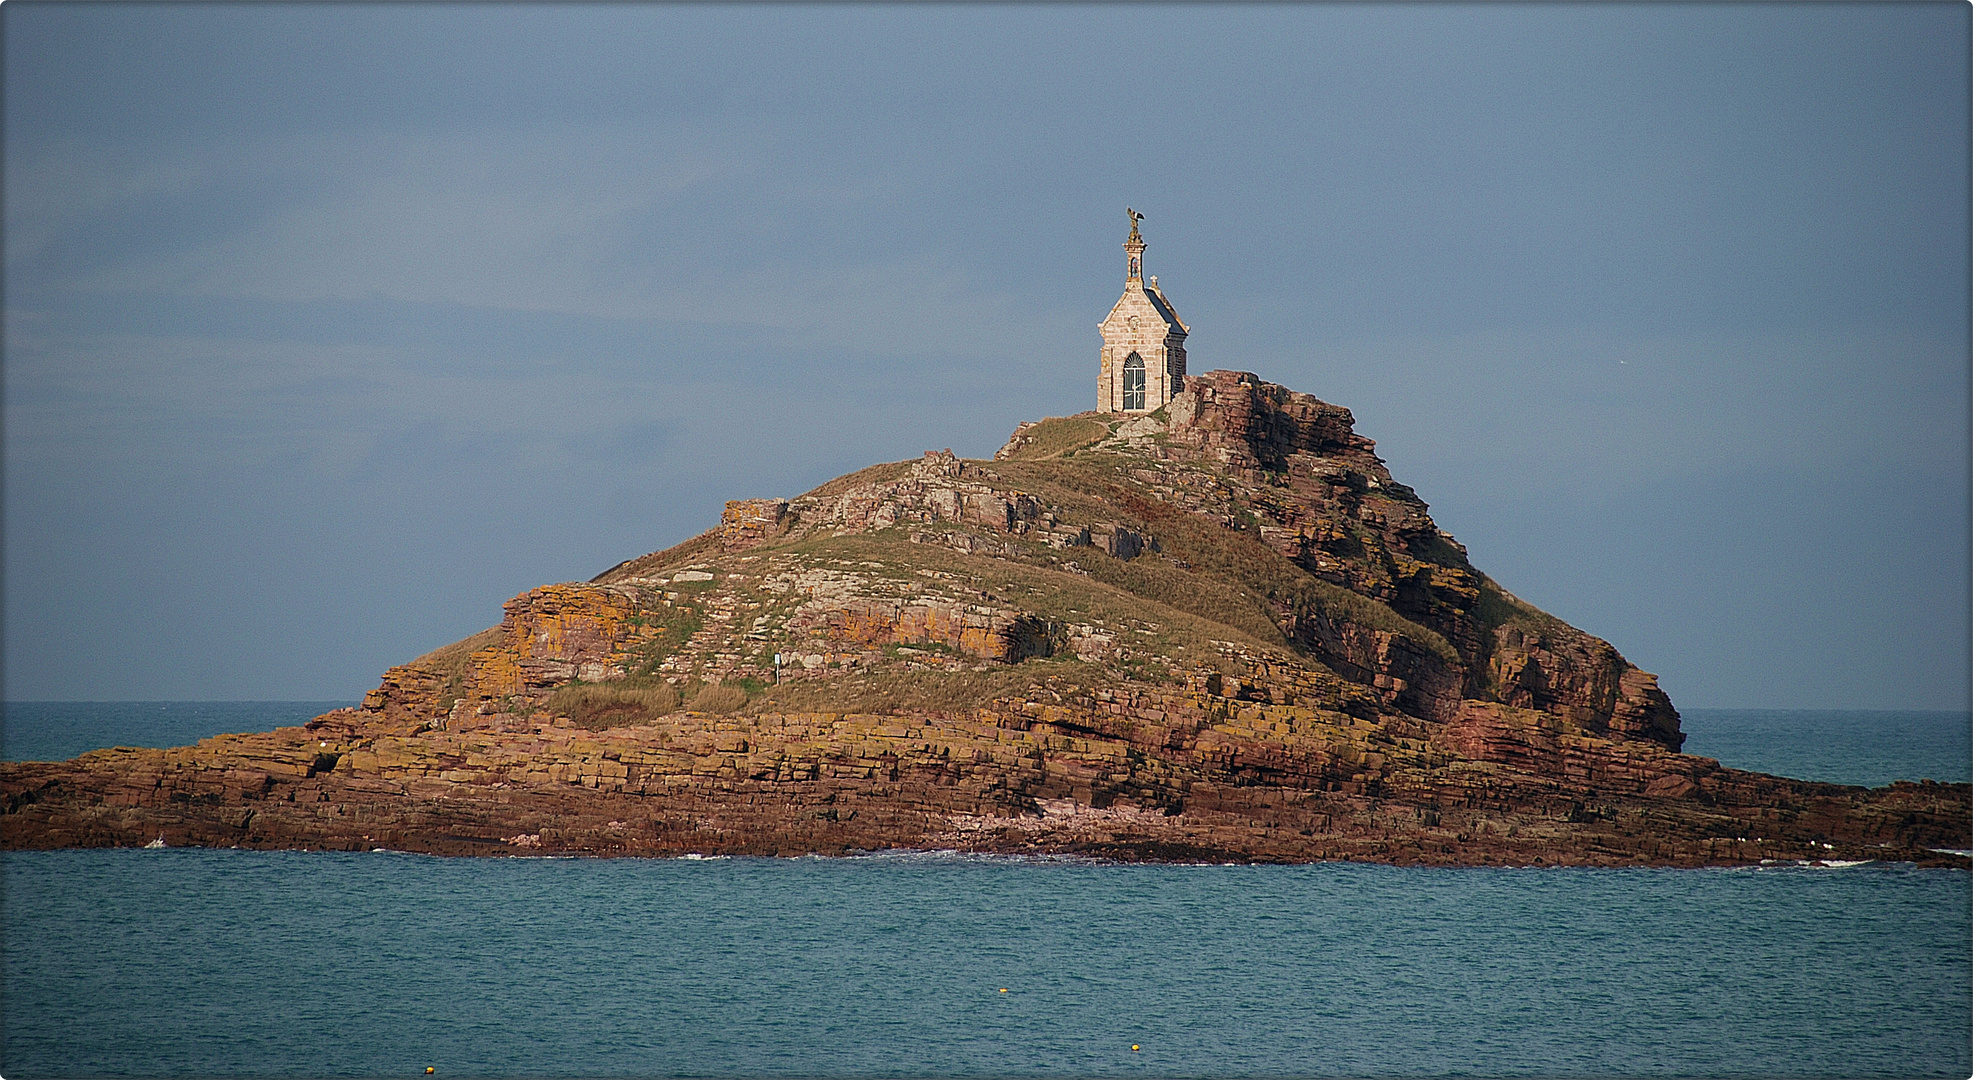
(187, 962)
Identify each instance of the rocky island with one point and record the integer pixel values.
(1205, 626)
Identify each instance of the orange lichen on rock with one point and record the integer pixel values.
(745, 523)
(984, 632)
(550, 635)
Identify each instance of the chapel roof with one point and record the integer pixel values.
(1164, 308)
(1153, 299)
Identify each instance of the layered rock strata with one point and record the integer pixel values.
(1218, 631)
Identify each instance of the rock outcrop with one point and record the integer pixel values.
(1217, 631)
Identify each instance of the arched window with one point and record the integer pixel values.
(1133, 382)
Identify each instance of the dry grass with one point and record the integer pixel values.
(1058, 436)
(876, 474)
(721, 698)
(898, 691)
(688, 551)
(597, 707)
(1498, 607)
(1153, 606)
(1234, 578)
(1231, 584)
(452, 661)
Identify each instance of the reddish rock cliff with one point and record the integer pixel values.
(1221, 630)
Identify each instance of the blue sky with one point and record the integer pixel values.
(330, 327)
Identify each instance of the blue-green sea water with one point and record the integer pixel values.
(59, 730)
(287, 964)
(234, 963)
(1843, 746)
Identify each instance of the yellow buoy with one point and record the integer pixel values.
(1133, 1048)
(429, 1069)
(1003, 989)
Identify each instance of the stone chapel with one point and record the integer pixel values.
(1143, 341)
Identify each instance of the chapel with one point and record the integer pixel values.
(1143, 341)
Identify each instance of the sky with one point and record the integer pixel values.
(329, 328)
